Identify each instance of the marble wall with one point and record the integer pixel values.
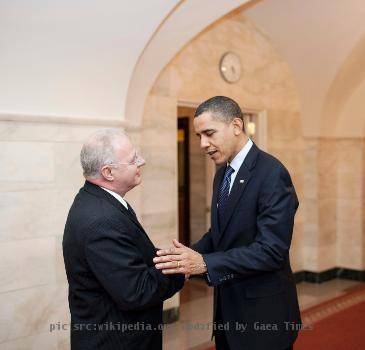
(332, 200)
(350, 203)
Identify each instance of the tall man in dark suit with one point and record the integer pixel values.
(245, 254)
(115, 291)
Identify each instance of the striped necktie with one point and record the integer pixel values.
(224, 192)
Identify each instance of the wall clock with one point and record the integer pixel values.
(230, 67)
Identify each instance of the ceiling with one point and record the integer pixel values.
(100, 59)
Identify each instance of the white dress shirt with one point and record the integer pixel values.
(238, 160)
(116, 196)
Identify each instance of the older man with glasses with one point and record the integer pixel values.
(115, 291)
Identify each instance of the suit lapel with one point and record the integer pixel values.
(240, 184)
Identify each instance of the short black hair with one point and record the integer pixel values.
(221, 107)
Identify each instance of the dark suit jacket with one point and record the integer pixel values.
(247, 255)
(115, 291)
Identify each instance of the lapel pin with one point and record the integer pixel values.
(242, 181)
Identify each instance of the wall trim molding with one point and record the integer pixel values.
(330, 274)
(45, 119)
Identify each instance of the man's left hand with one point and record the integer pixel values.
(180, 259)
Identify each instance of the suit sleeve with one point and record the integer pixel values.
(277, 205)
(119, 266)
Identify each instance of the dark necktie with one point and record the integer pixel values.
(224, 193)
(131, 211)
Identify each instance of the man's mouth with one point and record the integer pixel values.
(210, 153)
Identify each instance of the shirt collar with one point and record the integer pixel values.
(240, 157)
(116, 196)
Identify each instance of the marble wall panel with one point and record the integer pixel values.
(327, 220)
(326, 256)
(27, 263)
(160, 163)
(31, 311)
(310, 172)
(67, 165)
(38, 213)
(327, 163)
(34, 342)
(161, 227)
(60, 272)
(296, 254)
(350, 169)
(282, 127)
(26, 161)
(363, 209)
(161, 198)
(310, 257)
(350, 233)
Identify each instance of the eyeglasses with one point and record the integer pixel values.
(137, 160)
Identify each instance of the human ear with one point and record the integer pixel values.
(106, 172)
(237, 126)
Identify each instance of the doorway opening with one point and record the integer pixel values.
(191, 179)
(183, 179)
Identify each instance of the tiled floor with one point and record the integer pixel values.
(193, 330)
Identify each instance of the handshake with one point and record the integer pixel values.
(180, 259)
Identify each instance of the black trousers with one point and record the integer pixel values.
(220, 335)
(220, 341)
(222, 344)
(220, 338)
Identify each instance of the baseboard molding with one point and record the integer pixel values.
(327, 275)
(170, 315)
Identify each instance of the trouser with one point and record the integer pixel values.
(220, 338)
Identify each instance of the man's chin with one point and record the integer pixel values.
(219, 161)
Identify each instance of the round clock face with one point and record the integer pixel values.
(230, 67)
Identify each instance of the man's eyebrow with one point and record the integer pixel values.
(205, 131)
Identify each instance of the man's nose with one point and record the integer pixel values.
(141, 161)
(204, 142)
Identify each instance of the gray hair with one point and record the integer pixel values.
(98, 151)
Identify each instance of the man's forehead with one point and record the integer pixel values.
(206, 121)
(124, 145)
